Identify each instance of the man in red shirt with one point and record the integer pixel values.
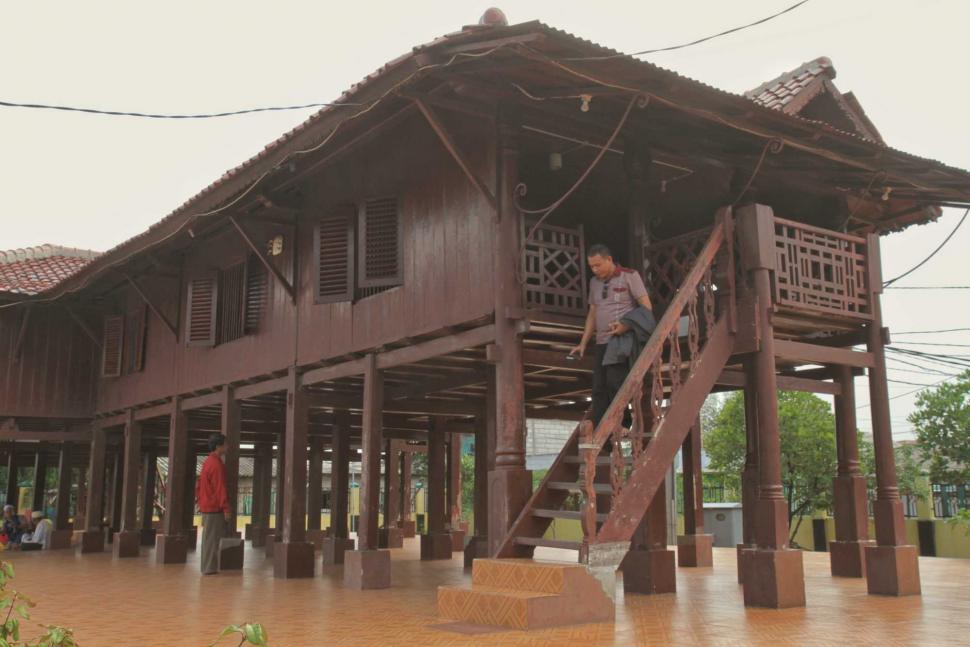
(210, 493)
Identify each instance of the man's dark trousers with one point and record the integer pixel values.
(607, 380)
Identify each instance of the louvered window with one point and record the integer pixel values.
(136, 327)
(379, 244)
(232, 303)
(257, 294)
(334, 243)
(112, 340)
(201, 315)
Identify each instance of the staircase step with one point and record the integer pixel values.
(564, 514)
(599, 488)
(600, 460)
(542, 542)
(526, 594)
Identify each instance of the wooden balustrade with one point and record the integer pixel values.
(553, 268)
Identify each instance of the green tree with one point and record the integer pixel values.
(808, 456)
(942, 424)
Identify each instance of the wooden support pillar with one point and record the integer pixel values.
(262, 488)
(80, 511)
(40, 477)
(749, 475)
(436, 542)
(773, 574)
(170, 545)
(278, 499)
(190, 530)
(13, 487)
(127, 538)
(117, 491)
(92, 541)
(892, 567)
(339, 542)
(453, 498)
(391, 535)
(407, 524)
(230, 425)
(368, 567)
(63, 530)
(293, 557)
(477, 545)
(847, 552)
(694, 547)
(149, 473)
(510, 484)
(314, 485)
(649, 567)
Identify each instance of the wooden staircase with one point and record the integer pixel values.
(615, 470)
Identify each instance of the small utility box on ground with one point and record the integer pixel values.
(723, 520)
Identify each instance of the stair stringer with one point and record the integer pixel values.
(630, 505)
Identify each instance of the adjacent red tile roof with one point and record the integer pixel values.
(35, 269)
(805, 80)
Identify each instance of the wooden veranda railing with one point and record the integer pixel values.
(553, 268)
(667, 362)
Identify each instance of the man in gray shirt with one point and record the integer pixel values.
(614, 291)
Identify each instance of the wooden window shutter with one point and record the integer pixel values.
(230, 312)
(201, 312)
(137, 327)
(112, 345)
(257, 294)
(379, 245)
(334, 244)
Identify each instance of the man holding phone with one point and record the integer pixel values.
(614, 293)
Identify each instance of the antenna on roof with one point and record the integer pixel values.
(493, 17)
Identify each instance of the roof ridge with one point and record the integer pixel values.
(824, 64)
(43, 251)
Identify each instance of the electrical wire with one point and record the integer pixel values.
(930, 343)
(903, 395)
(930, 332)
(671, 48)
(932, 254)
(151, 115)
(927, 287)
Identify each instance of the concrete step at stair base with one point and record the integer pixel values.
(525, 594)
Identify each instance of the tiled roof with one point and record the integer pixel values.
(780, 93)
(34, 269)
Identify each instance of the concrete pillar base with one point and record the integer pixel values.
(408, 528)
(270, 545)
(773, 578)
(257, 535)
(61, 539)
(508, 492)
(147, 536)
(192, 538)
(293, 559)
(334, 548)
(892, 570)
(457, 541)
(367, 569)
(649, 571)
(695, 550)
(436, 545)
(390, 538)
(316, 537)
(476, 548)
(126, 543)
(230, 554)
(848, 558)
(740, 548)
(92, 541)
(170, 549)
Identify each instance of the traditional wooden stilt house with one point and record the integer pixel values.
(408, 265)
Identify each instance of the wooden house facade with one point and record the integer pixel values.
(408, 265)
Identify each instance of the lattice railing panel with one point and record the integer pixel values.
(820, 270)
(555, 278)
(667, 262)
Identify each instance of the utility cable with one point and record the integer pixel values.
(151, 115)
(932, 254)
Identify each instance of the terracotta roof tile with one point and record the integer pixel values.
(780, 91)
(35, 269)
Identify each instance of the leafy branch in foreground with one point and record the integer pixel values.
(16, 605)
(250, 633)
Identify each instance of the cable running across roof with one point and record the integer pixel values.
(932, 254)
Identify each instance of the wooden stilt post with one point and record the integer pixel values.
(368, 567)
(170, 545)
(262, 488)
(390, 534)
(13, 488)
(847, 552)
(510, 484)
(63, 531)
(773, 574)
(892, 567)
(128, 539)
(293, 557)
(477, 545)
(749, 476)
(453, 513)
(230, 425)
(649, 567)
(189, 529)
(92, 541)
(149, 478)
(339, 542)
(40, 477)
(117, 491)
(694, 547)
(436, 543)
(408, 526)
(314, 491)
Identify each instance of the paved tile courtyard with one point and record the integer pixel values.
(112, 603)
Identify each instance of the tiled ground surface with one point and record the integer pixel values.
(114, 603)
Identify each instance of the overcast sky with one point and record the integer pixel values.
(93, 181)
